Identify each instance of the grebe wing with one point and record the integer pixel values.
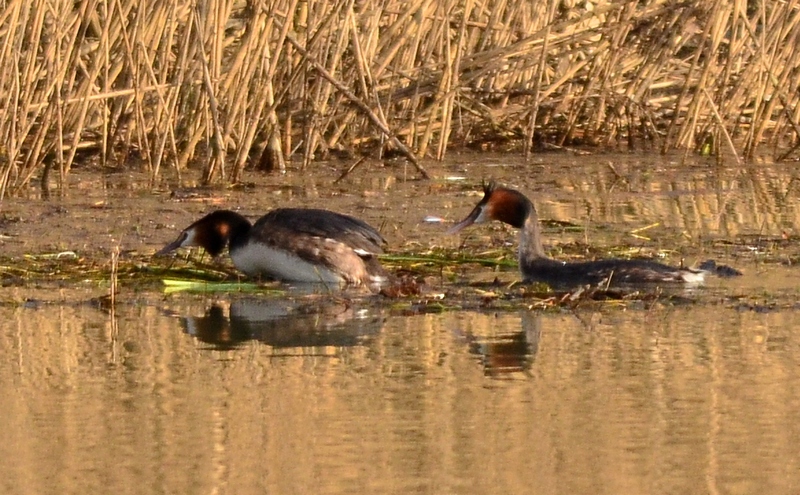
(278, 225)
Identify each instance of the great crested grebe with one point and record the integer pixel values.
(292, 244)
(512, 207)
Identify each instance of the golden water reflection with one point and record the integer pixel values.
(671, 400)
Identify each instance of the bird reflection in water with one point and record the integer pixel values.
(283, 324)
(508, 353)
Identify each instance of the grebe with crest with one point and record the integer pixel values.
(514, 208)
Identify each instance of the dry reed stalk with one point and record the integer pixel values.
(211, 65)
(442, 89)
(721, 123)
(530, 130)
(331, 49)
(113, 289)
(359, 103)
(783, 41)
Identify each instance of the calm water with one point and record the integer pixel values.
(183, 397)
(338, 393)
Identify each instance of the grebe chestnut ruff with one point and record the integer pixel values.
(292, 244)
(512, 207)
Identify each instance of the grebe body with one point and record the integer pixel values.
(292, 244)
(514, 208)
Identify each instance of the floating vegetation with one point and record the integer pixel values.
(431, 281)
(446, 259)
(200, 286)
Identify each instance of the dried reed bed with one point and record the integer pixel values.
(223, 84)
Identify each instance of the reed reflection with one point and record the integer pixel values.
(283, 324)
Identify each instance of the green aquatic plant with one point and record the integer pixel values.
(172, 285)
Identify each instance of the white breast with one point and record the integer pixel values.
(693, 277)
(256, 259)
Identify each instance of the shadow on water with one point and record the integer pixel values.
(283, 324)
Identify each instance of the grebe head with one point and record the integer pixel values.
(212, 232)
(498, 203)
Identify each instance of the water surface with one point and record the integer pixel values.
(346, 392)
(679, 399)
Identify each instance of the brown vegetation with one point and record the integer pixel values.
(227, 83)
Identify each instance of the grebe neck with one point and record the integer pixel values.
(530, 238)
(240, 233)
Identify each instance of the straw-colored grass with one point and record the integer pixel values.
(223, 84)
